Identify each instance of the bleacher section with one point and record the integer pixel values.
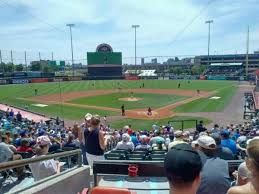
(226, 70)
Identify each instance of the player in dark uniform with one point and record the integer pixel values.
(36, 92)
(179, 85)
(198, 92)
(123, 110)
(143, 85)
(149, 111)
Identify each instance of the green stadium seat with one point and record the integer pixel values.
(157, 157)
(135, 157)
(114, 156)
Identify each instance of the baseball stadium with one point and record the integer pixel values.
(113, 124)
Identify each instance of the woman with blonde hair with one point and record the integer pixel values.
(94, 141)
(252, 163)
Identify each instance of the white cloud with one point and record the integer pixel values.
(43, 26)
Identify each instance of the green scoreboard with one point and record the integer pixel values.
(104, 63)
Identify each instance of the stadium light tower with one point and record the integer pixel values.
(72, 52)
(135, 28)
(209, 22)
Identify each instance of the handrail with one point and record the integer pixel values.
(20, 163)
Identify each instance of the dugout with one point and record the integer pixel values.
(104, 63)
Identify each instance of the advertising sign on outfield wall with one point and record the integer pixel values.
(39, 80)
(58, 79)
(131, 77)
(20, 81)
(3, 81)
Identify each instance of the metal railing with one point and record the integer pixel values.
(20, 163)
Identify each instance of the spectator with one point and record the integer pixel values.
(134, 139)
(200, 127)
(215, 129)
(19, 116)
(227, 142)
(71, 141)
(222, 152)
(243, 175)
(157, 136)
(94, 141)
(125, 144)
(159, 145)
(214, 175)
(25, 146)
(183, 166)
(252, 163)
(46, 168)
(7, 153)
(143, 143)
(177, 140)
(81, 137)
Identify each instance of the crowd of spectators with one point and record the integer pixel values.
(204, 151)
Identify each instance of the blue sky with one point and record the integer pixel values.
(36, 25)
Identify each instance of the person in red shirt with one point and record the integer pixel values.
(25, 146)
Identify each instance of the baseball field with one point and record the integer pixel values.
(168, 99)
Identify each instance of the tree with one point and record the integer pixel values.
(176, 70)
(19, 67)
(46, 69)
(197, 70)
(35, 67)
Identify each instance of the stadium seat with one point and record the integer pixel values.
(109, 190)
(157, 157)
(114, 156)
(136, 157)
(158, 152)
(142, 152)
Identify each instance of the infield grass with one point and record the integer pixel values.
(147, 100)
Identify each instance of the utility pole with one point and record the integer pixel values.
(135, 28)
(52, 56)
(71, 40)
(247, 51)
(1, 60)
(39, 56)
(12, 60)
(25, 60)
(209, 22)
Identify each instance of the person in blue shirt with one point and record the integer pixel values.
(227, 142)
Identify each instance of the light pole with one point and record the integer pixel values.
(72, 52)
(209, 22)
(135, 28)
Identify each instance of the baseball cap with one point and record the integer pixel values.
(41, 133)
(182, 163)
(43, 140)
(207, 142)
(88, 116)
(225, 133)
(23, 132)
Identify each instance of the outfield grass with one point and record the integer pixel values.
(209, 105)
(10, 94)
(112, 100)
(138, 124)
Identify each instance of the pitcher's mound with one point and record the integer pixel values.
(133, 99)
